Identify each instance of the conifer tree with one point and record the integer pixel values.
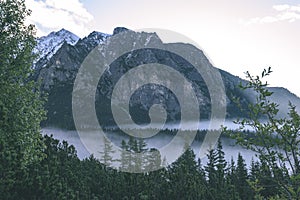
(107, 154)
(275, 140)
(221, 166)
(211, 173)
(21, 107)
(241, 183)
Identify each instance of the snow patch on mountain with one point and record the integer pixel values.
(93, 39)
(48, 45)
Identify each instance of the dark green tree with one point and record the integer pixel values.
(125, 157)
(185, 178)
(211, 173)
(216, 171)
(221, 167)
(153, 160)
(21, 107)
(241, 182)
(134, 155)
(276, 140)
(231, 180)
(107, 154)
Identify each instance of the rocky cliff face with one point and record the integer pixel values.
(62, 54)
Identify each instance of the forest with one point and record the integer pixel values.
(61, 175)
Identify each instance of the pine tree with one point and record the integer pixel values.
(241, 183)
(125, 157)
(133, 156)
(231, 180)
(185, 179)
(275, 140)
(107, 154)
(221, 166)
(211, 172)
(21, 107)
(153, 160)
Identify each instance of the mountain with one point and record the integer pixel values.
(48, 45)
(62, 54)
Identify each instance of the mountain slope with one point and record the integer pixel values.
(58, 68)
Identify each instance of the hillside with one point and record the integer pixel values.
(62, 53)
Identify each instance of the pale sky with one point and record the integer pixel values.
(236, 35)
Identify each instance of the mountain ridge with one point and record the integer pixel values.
(58, 71)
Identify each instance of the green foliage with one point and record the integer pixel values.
(61, 175)
(21, 107)
(107, 157)
(186, 178)
(241, 182)
(276, 140)
(136, 157)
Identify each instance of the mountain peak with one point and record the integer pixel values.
(48, 45)
(119, 30)
(64, 31)
(93, 39)
(96, 34)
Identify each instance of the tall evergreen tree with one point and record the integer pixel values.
(185, 179)
(221, 166)
(221, 185)
(153, 160)
(211, 172)
(275, 140)
(241, 183)
(21, 108)
(125, 157)
(107, 154)
(134, 155)
(231, 180)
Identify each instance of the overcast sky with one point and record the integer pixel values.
(236, 35)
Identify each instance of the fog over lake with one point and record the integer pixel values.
(230, 148)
